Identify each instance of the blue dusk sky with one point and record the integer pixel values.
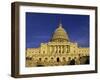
(41, 26)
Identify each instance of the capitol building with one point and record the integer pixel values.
(59, 51)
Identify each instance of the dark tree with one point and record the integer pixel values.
(87, 60)
(40, 65)
(72, 62)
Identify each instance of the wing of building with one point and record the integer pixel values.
(58, 51)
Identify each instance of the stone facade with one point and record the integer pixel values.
(58, 51)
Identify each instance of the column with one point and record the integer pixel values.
(50, 48)
(58, 49)
(66, 48)
(61, 49)
(55, 49)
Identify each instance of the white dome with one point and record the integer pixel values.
(60, 34)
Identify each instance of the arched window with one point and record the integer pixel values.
(51, 57)
(59, 51)
(43, 51)
(74, 57)
(46, 58)
(58, 60)
(64, 58)
(40, 59)
(69, 58)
